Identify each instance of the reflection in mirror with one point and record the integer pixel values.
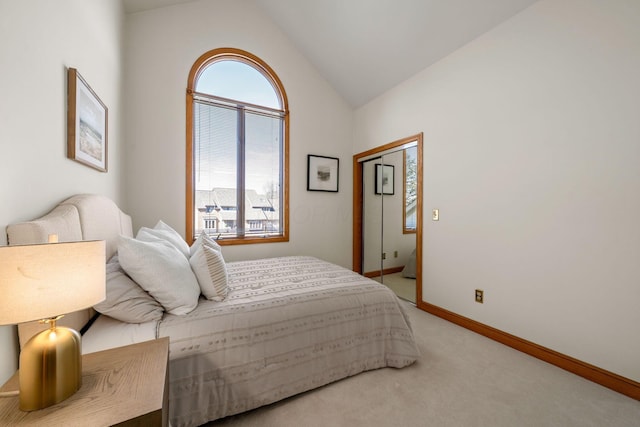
(387, 216)
(389, 219)
(397, 246)
(372, 263)
(410, 189)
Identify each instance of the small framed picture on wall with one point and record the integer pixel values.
(322, 173)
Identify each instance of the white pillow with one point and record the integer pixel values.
(125, 299)
(164, 232)
(204, 239)
(211, 271)
(159, 269)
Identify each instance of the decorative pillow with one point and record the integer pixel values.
(157, 267)
(164, 232)
(204, 239)
(126, 300)
(211, 271)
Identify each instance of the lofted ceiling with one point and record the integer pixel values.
(365, 47)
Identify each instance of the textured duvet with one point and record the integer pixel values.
(288, 325)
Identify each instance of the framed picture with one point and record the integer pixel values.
(384, 179)
(86, 123)
(322, 173)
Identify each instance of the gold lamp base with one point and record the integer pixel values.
(50, 367)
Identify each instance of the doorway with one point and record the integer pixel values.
(387, 221)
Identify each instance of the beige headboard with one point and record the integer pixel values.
(80, 217)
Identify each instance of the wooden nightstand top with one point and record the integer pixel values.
(120, 386)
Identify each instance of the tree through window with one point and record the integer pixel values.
(237, 149)
(410, 189)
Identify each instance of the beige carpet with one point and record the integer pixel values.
(404, 287)
(463, 379)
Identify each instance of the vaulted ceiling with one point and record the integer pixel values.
(365, 47)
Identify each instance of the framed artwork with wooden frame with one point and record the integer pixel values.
(322, 173)
(87, 123)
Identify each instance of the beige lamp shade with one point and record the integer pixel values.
(47, 280)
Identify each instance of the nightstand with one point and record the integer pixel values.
(124, 386)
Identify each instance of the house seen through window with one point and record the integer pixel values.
(237, 177)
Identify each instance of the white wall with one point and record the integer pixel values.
(162, 45)
(531, 153)
(39, 39)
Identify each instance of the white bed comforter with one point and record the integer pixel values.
(288, 325)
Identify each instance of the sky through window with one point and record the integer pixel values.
(238, 81)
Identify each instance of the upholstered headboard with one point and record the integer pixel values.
(81, 217)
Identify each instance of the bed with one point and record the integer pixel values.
(285, 325)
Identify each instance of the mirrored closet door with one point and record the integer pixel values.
(387, 215)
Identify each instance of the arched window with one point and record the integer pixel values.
(237, 150)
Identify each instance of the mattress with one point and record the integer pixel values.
(288, 325)
(106, 333)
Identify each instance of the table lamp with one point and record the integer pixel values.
(41, 282)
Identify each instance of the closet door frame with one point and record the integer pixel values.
(358, 198)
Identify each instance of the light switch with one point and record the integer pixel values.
(435, 215)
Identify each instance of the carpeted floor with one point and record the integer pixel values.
(462, 380)
(404, 287)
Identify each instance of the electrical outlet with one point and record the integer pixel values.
(435, 214)
(384, 255)
(480, 296)
(395, 254)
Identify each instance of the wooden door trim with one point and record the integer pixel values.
(358, 200)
